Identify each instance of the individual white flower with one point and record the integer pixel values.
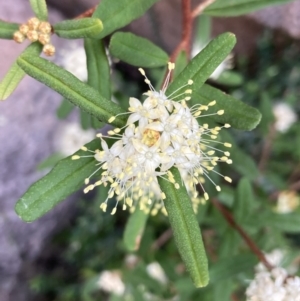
(160, 133)
(287, 202)
(285, 117)
(111, 282)
(155, 271)
(70, 137)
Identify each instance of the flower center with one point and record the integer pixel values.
(149, 155)
(150, 137)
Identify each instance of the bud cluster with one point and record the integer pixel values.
(36, 30)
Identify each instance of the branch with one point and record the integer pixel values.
(251, 244)
(164, 237)
(267, 148)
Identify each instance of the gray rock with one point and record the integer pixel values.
(28, 124)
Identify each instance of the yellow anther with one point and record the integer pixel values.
(111, 119)
(124, 207)
(171, 66)
(228, 179)
(220, 112)
(210, 153)
(86, 181)
(227, 144)
(190, 82)
(229, 161)
(114, 211)
(103, 206)
(227, 125)
(84, 148)
(177, 186)
(206, 197)
(75, 157)
(142, 71)
(212, 103)
(117, 130)
(227, 154)
(218, 188)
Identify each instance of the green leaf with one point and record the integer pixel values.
(117, 14)
(15, 74)
(137, 51)
(228, 267)
(80, 28)
(40, 9)
(244, 200)
(7, 30)
(134, 229)
(64, 109)
(226, 8)
(185, 229)
(205, 62)
(230, 78)
(64, 179)
(98, 70)
(242, 162)
(289, 222)
(238, 114)
(70, 87)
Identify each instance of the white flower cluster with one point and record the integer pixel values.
(160, 133)
(274, 285)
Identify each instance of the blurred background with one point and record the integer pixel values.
(75, 252)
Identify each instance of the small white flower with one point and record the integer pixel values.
(111, 282)
(285, 117)
(155, 271)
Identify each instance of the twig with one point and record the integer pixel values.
(87, 13)
(201, 7)
(162, 239)
(251, 244)
(267, 148)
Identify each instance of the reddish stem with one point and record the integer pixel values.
(251, 244)
(87, 13)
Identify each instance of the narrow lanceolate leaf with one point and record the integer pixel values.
(98, 70)
(244, 200)
(238, 114)
(15, 74)
(117, 14)
(98, 67)
(186, 230)
(79, 93)
(289, 222)
(226, 8)
(81, 28)
(134, 229)
(40, 9)
(205, 62)
(64, 179)
(137, 51)
(7, 30)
